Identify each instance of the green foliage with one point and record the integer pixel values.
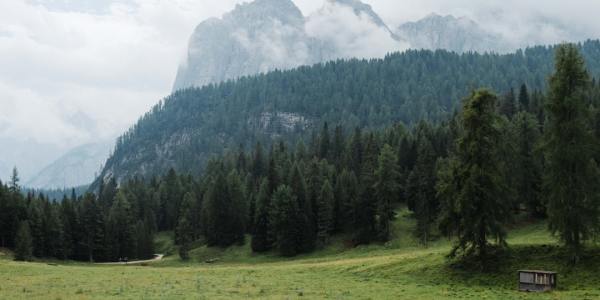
(24, 243)
(387, 188)
(287, 221)
(473, 185)
(420, 189)
(527, 173)
(192, 125)
(325, 213)
(571, 173)
(262, 238)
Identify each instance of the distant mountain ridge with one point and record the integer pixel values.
(78, 167)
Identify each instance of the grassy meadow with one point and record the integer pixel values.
(400, 269)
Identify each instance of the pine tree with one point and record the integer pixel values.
(24, 243)
(144, 240)
(527, 172)
(324, 143)
(120, 229)
(524, 103)
(325, 213)
(473, 194)
(346, 197)
(14, 181)
(185, 231)
(258, 163)
(223, 212)
(571, 175)
(508, 104)
(386, 190)
(420, 190)
(306, 235)
(286, 221)
(262, 239)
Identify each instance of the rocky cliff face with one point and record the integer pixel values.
(255, 37)
(265, 35)
(449, 33)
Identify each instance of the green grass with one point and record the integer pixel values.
(400, 269)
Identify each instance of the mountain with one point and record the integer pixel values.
(450, 33)
(77, 167)
(189, 127)
(265, 35)
(255, 37)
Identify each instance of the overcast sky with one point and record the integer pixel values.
(74, 71)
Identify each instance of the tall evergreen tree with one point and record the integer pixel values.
(524, 102)
(306, 235)
(420, 190)
(527, 170)
(477, 210)
(386, 190)
(325, 212)
(24, 243)
(508, 104)
(286, 221)
(571, 175)
(324, 143)
(262, 238)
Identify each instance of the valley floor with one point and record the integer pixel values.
(398, 270)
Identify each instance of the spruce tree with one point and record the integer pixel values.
(508, 104)
(324, 143)
(23, 242)
(527, 170)
(262, 238)
(306, 235)
(120, 229)
(420, 190)
(524, 102)
(386, 190)
(325, 213)
(571, 174)
(477, 210)
(286, 221)
(185, 232)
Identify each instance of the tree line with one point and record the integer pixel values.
(107, 227)
(520, 152)
(192, 125)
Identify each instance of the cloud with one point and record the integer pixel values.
(351, 34)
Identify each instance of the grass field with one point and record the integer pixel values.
(401, 269)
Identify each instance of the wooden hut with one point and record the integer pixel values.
(536, 281)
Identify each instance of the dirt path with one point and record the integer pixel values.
(134, 262)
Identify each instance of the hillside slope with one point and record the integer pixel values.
(192, 125)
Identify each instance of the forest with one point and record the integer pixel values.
(189, 127)
(464, 177)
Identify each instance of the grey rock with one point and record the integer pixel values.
(450, 33)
